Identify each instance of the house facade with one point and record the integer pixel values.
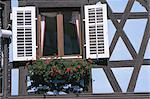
(60, 29)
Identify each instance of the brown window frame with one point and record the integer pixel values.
(60, 38)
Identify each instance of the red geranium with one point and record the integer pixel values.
(68, 70)
(78, 66)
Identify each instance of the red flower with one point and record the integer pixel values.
(78, 66)
(75, 69)
(68, 70)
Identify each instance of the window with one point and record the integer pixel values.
(60, 32)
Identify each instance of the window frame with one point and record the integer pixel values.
(60, 34)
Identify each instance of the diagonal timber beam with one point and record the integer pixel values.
(139, 60)
(119, 27)
(112, 79)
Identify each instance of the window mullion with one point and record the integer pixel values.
(60, 35)
(40, 48)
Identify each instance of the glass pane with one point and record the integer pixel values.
(71, 34)
(50, 36)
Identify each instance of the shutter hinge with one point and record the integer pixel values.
(83, 20)
(11, 17)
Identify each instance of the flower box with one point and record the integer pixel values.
(69, 76)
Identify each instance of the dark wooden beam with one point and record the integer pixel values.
(112, 79)
(57, 3)
(108, 71)
(5, 69)
(119, 27)
(116, 36)
(22, 3)
(141, 54)
(121, 31)
(133, 15)
(82, 32)
(6, 14)
(128, 44)
(139, 59)
(126, 12)
(126, 63)
(146, 62)
(89, 96)
(23, 80)
(113, 43)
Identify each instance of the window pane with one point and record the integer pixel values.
(50, 36)
(71, 35)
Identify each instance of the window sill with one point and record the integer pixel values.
(64, 57)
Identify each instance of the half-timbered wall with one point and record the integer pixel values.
(130, 43)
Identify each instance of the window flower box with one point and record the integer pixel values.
(69, 76)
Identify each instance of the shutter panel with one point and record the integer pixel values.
(24, 33)
(96, 31)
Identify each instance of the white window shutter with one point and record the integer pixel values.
(24, 33)
(96, 31)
